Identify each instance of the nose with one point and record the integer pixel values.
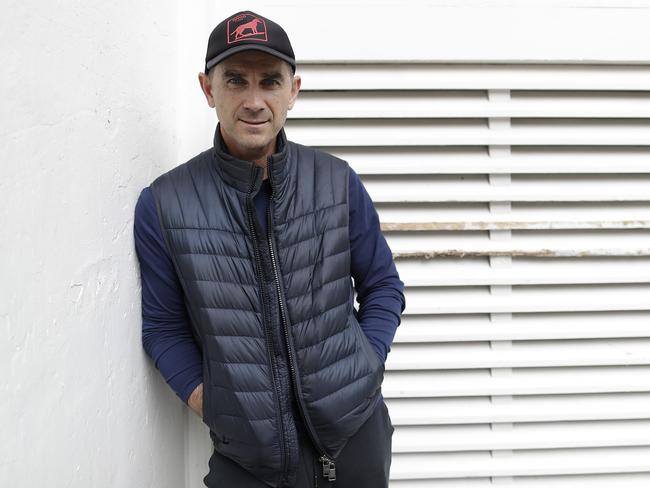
(254, 100)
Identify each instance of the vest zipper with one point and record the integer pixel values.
(267, 333)
(328, 465)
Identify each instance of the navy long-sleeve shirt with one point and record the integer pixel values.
(166, 334)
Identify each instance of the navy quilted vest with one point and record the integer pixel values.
(206, 212)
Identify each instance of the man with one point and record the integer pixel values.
(248, 254)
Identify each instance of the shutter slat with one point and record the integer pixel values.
(460, 132)
(535, 215)
(523, 189)
(532, 408)
(525, 272)
(525, 381)
(457, 104)
(528, 299)
(471, 160)
(425, 244)
(552, 435)
(622, 480)
(425, 76)
(535, 326)
(525, 354)
(521, 463)
(507, 225)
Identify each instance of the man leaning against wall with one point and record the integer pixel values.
(250, 254)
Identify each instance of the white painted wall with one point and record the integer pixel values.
(87, 119)
(462, 31)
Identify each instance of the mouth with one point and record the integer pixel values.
(253, 122)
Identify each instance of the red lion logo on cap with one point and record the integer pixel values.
(246, 27)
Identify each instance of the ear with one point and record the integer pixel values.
(295, 88)
(206, 87)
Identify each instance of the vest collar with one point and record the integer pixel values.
(246, 176)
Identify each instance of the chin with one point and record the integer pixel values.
(255, 142)
(255, 146)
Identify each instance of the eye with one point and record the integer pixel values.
(235, 81)
(270, 82)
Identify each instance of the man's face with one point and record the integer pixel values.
(251, 92)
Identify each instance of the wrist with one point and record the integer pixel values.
(195, 401)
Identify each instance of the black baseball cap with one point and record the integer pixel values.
(244, 31)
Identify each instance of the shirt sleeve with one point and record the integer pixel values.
(166, 333)
(380, 292)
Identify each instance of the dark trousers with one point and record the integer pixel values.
(364, 462)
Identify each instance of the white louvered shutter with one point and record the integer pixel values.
(516, 200)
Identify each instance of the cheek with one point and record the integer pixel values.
(280, 104)
(226, 109)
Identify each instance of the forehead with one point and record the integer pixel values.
(252, 60)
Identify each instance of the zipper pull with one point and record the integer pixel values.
(329, 468)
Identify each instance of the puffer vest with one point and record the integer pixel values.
(205, 208)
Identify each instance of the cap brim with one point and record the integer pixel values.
(249, 47)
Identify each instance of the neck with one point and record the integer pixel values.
(259, 159)
(243, 163)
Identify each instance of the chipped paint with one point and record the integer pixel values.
(506, 225)
(537, 253)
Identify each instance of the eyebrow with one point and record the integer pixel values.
(229, 73)
(272, 74)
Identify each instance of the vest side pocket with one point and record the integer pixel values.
(364, 344)
(207, 388)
